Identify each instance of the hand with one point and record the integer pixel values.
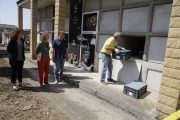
(117, 50)
(66, 58)
(54, 59)
(123, 48)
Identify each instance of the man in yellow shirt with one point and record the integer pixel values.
(109, 46)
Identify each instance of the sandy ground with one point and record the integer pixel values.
(26, 103)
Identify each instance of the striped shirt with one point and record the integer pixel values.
(19, 52)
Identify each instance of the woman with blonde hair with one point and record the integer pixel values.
(43, 60)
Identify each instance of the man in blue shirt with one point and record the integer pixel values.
(59, 54)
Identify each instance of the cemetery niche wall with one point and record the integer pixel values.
(75, 27)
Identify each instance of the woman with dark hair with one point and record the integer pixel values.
(43, 60)
(16, 56)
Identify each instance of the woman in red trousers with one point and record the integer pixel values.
(43, 60)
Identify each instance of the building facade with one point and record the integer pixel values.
(5, 32)
(144, 25)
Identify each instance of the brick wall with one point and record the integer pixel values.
(169, 94)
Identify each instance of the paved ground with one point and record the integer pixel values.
(75, 103)
(143, 108)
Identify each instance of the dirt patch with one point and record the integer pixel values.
(26, 103)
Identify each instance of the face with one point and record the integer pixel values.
(47, 38)
(20, 35)
(118, 38)
(62, 35)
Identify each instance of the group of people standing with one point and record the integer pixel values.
(17, 57)
(59, 54)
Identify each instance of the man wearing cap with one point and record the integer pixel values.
(109, 46)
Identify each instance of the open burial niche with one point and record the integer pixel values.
(133, 43)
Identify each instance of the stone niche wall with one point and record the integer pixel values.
(161, 20)
(157, 49)
(102, 39)
(109, 21)
(110, 3)
(91, 5)
(127, 2)
(67, 16)
(135, 20)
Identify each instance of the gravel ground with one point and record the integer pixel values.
(26, 103)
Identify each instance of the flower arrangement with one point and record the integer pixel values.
(70, 60)
(75, 62)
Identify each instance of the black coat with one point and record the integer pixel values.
(12, 49)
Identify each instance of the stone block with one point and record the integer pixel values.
(171, 102)
(165, 109)
(178, 43)
(62, 23)
(162, 99)
(62, 27)
(174, 33)
(172, 43)
(176, 53)
(174, 84)
(159, 106)
(162, 90)
(175, 22)
(168, 52)
(160, 116)
(174, 73)
(176, 11)
(171, 92)
(165, 71)
(176, 2)
(62, 10)
(176, 64)
(63, 1)
(168, 62)
(57, 5)
(165, 81)
(56, 27)
(63, 5)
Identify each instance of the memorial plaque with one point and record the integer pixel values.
(75, 16)
(89, 22)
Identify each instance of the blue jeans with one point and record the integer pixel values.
(59, 62)
(106, 65)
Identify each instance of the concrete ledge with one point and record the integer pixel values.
(111, 97)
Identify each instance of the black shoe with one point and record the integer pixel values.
(110, 80)
(103, 82)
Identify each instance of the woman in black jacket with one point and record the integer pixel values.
(16, 56)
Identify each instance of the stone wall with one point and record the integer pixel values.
(169, 94)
